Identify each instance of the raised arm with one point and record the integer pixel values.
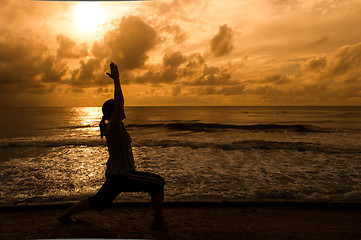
(118, 110)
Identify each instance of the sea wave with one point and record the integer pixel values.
(167, 143)
(209, 127)
(252, 144)
(52, 143)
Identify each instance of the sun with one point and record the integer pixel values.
(89, 16)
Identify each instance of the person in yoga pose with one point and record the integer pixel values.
(121, 175)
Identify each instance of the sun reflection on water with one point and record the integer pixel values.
(87, 116)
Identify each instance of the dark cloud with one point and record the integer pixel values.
(26, 63)
(87, 75)
(173, 60)
(130, 42)
(175, 66)
(69, 49)
(100, 51)
(169, 75)
(189, 70)
(222, 42)
(150, 76)
(163, 75)
(127, 45)
(193, 66)
(212, 76)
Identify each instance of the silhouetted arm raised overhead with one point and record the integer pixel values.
(118, 94)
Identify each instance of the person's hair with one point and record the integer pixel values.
(107, 110)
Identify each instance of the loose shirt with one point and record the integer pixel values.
(119, 147)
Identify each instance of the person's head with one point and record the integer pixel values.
(107, 109)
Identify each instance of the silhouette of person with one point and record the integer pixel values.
(121, 175)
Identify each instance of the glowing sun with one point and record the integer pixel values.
(89, 16)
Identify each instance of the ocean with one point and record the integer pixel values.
(203, 153)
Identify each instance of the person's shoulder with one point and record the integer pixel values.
(115, 125)
(112, 126)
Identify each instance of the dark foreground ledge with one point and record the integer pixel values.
(250, 220)
(173, 204)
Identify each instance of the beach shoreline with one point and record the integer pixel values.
(189, 220)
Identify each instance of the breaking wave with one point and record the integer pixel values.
(209, 127)
(167, 143)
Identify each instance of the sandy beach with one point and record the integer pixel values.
(189, 221)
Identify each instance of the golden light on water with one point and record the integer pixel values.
(88, 116)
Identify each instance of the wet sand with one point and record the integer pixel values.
(189, 221)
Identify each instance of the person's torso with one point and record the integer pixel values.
(119, 147)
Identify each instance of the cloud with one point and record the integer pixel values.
(222, 42)
(175, 66)
(213, 76)
(194, 64)
(277, 79)
(314, 64)
(85, 76)
(345, 60)
(130, 42)
(27, 65)
(165, 47)
(188, 70)
(334, 78)
(340, 65)
(174, 59)
(179, 36)
(230, 90)
(163, 75)
(69, 49)
(127, 45)
(99, 50)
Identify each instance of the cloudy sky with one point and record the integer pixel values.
(181, 52)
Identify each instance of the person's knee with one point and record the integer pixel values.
(163, 182)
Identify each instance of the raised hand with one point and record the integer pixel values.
(114, 73)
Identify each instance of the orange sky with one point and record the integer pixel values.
(181, 52)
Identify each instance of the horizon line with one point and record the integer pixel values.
(189, 106)
(91, 0)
